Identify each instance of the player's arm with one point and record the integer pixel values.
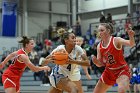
(83, 62)
(84, 59)
(130, 42)
(86, 72)
(97, 61)
(85, 68)
(34, 68)
(9, 57)
(48, 59)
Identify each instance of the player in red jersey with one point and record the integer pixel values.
(110, 55)
(11, 76)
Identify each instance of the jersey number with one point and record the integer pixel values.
(13, 62)
(69, 67)
(111, 59)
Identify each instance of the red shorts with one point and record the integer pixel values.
(9, 79)
(109, 76)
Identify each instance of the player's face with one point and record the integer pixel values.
(31, 45)
(79, 41)
(72, 39)
(103, 31)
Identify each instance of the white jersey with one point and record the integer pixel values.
(72, 71)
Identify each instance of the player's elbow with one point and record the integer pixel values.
(88, 63)
(98, 65)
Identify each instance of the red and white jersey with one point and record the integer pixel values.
(18, 66)
(111, 56)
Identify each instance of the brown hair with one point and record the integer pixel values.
(108, 26)
(25, 40)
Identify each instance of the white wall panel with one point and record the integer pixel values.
(93, 5)
(59, 18)
(37, 23)
(85, 24)
(0, 3)
(38, 5)
(6, 43)
(59, 7)
(115, 3)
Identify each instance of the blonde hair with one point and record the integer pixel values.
(81, 38)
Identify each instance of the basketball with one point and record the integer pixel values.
(60, 57)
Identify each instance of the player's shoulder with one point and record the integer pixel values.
(77, 46)
(61, 46)
(117, 39)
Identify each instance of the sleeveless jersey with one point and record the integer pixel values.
(17, 66)
(111, 56)
(69, 70)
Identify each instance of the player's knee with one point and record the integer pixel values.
(74, 90)
(121, 90)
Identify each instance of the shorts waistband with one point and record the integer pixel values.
(118, 67)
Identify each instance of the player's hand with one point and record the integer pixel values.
(70, 60)
(131, 33)
(94, 59)
(1, 65)
(89, 77)
(47, 68)
(47, 60)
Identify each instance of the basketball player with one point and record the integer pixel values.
(11, 76)
(67, 77)
(110, 55)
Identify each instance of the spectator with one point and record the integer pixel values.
(102, 18)
(1, 72)
(78, 31)
(39, 74)
(120, 32)
(45, 78)
(109, 18)
(32, 54)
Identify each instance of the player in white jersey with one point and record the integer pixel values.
(79, 42)
(67, 77)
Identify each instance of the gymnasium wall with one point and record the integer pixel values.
(90, 10)
(40, 16)
(6, 43)
(95, 5)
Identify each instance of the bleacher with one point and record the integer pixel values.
(28, 85)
